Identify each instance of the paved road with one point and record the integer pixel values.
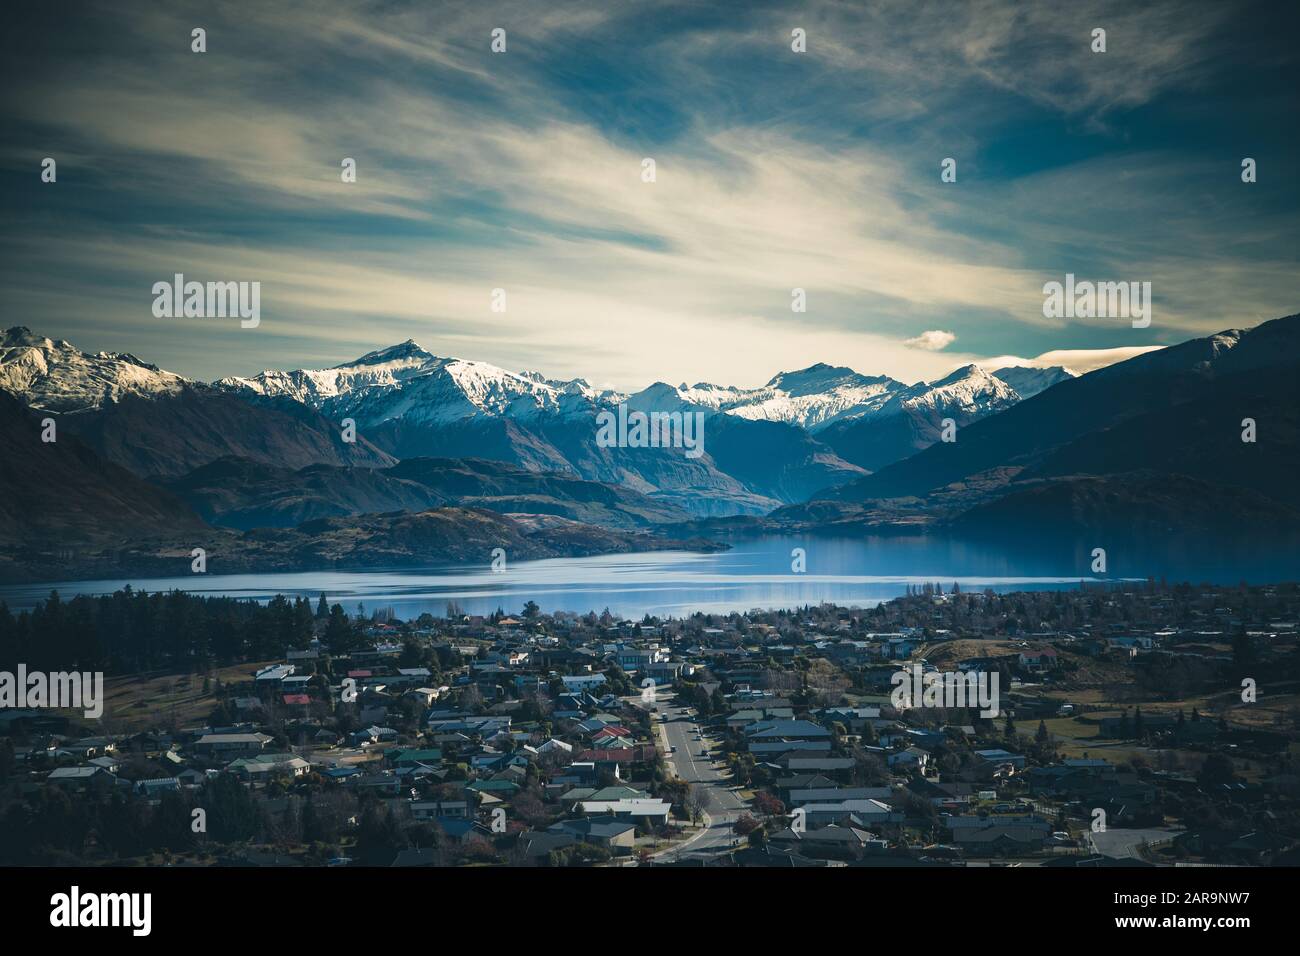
(722, 804)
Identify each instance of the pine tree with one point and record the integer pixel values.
(303, 628)
(338, 632)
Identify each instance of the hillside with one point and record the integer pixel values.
(1152, 388)
(1149, 446)
(243, 494)
(165, 436)
(60, 495)
(423, 539)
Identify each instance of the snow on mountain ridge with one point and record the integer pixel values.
(54, 375)
(406, 381)
(1029, 380)
(811, 398)
(969, 390)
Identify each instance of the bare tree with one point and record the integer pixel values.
(698, 801)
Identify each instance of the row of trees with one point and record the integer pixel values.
(54, 826)
(130, 631)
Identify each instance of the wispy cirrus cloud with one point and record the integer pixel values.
(522, 171)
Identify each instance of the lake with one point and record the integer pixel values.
(756, 573)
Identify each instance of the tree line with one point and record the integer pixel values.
(130, 631)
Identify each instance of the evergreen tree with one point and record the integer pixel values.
(233, 817)
(303, 629)
(379, 836)
(338, 631)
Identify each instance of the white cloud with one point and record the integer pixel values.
(1077, 360)
(931, 341)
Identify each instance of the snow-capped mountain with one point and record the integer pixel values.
(837, 421)
(1028, 382)
(155, 423)
(811, 398)
(56, 376)
(385, 368)
(821, 396)
(969, 392)
(912, 418)
(801, 432)
(406, 382)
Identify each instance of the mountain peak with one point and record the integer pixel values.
(965, 372)
(20, 336)
(410, 349)
(56, 376)
(820, 372)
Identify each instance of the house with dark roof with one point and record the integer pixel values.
(608, 831)
(835, 841)
(787, 730)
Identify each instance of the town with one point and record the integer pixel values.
(1139, 724)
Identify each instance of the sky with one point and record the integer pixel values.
(774, 171)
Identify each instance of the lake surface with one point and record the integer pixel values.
(756, 573)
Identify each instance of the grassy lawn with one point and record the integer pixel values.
(137, 702)
(1067, 728)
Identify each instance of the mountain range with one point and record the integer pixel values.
(66, 512)
(799, 434)
(1152, 442)
(147, 462)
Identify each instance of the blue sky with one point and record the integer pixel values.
(775, 170)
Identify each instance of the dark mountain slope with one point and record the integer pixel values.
(569, 445)
(774, 459)
(440, 536)
(239, 493)
(60, 495)
(1025, 435)
(1201, 438)
(1128, 509)
(165, 436)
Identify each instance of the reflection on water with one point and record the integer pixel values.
(754, 574)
